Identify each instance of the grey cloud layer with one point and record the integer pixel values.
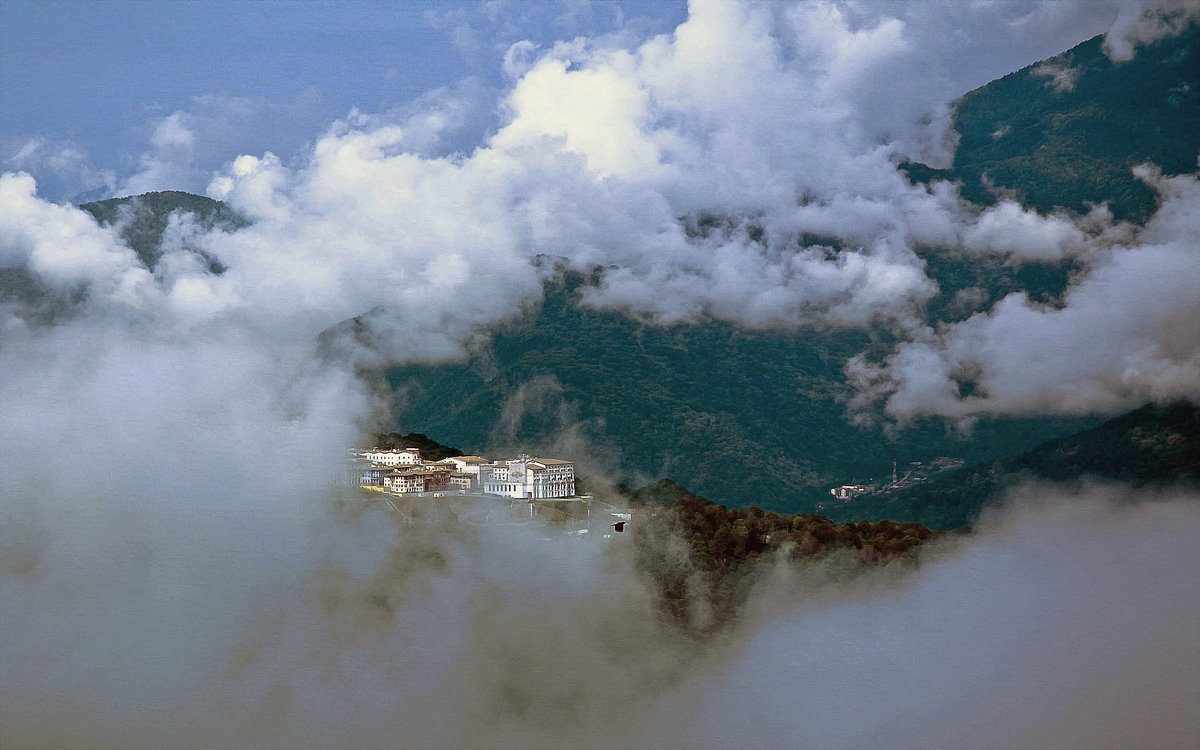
(267, 621)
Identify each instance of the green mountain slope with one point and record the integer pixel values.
(702, 587)
(143, 219)
(1153, 445)
(1073, 144)
(743, 416)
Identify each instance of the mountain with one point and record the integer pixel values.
(702, 587)
(431, 450)
(1156, 445)
(1067, 131)
(143, 220)
(759, 416)
(749, 417)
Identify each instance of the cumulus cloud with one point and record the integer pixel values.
(1128, 331)
(62, 166)
(62, 247)
(758, 186)
(603, 149)
(1061, 78)
(793, 131)
(607, 142)
(1021, 234)
(186, 147)
(1147, 21)
(170, 158)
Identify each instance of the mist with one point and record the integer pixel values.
(180, 565)
(139, 612)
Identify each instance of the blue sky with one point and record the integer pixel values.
(98, 74)
(84, 85)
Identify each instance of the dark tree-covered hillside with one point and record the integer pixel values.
(143, 219)
(1156, 445)
(1071, 141)
(703, 589)
(747, 416)
(431, 450)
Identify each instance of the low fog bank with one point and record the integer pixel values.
(292, 619)
(1065, 622)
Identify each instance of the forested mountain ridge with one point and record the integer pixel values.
(1066, 132)
(703, 587)
(142, 222)
(741, 415)
(760, 416)
(1155, 445)
(143, 219)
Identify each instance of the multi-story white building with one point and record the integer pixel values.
(530, 478)
(372, 476)
(523, 477)
(393, 456)
(549, 477)
(463, 481)
(493, 473)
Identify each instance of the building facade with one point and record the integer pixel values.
(529, 478)
(393, 457)
(523, 477)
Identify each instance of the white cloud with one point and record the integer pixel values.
(604, 149)
(1147, 21)
(63, 248)
(1128, 331)
(1064, 625)
(63, 165)
(186, 147)
(170, 159)
(172, 578)
(1021, 234)
(613, 152)
(1061, 78)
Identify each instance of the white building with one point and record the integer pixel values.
(529, 478)
(847, 491)
(394, 456)
(523, 477)
(549, 477)
(464, 482)
(493, 473)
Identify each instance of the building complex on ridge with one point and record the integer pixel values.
(524, 477)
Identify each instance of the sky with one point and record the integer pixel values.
(172, 571)
(95, 79)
